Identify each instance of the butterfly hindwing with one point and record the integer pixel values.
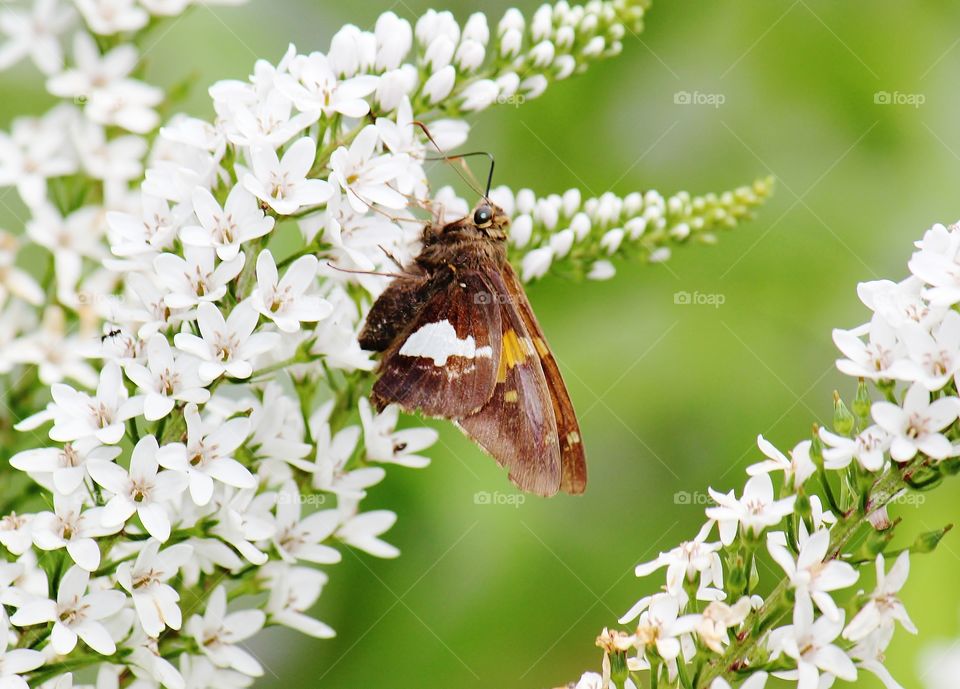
(445, 362)
(517, 426)
(573, 461)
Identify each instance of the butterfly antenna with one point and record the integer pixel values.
(448, 158)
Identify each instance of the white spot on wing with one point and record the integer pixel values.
(439, 341)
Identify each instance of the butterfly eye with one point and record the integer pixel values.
(482, 216)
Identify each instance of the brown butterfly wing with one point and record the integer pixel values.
(444, 363)
(573, 463)
(517, 425)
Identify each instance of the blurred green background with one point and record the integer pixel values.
(671, 397)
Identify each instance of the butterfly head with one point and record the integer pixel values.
(490, 219)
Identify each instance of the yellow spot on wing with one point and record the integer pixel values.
(541, 346)
(514, 351)
(511, 396)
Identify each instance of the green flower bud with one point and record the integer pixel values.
(928, 542)
(843, 421)
(862, 403)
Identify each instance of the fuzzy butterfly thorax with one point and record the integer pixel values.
(460, 341)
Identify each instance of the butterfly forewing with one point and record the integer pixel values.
(517, 426)
(445, 363)
(572, 458)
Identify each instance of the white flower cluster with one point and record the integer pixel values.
(822, 521)
(206, 437)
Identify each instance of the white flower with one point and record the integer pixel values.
(107, 17)
(112, 98)
(717, 618)
(15, 661)
(13, 280)
(218, 634)
(35, 33)
(810, 644)
(313, 87)
(916, 426)
(365, 176)
(867, 447)
(293, 591)
(796, 470)
(71, 527)
(333, 451)
(15, 532)
(154, 600)
(937, 265)
(143, 490)
(439, 85)
(207, 455)
(873, 359)
(31, 153)
(151, 231)
(284, 301)
(226, 228)
(361, 530)
(75, 613)
(65, 466)
(282, 183)
(77, 415)
(268, 121)
(119, 159)
(385, 444)
(900, 303)
(810, 575)
(166, 379)
(753, 512)
(686, 562)
(660, 626)
(226, 346)
(297, 539)
(934, 357)
(194, 278)
(884, 607)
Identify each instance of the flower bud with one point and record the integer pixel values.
(521, 230)
(862, 403)
(476, 29)
(542, 23)
(601, 270)
(394, 85)
(534, 85)
(439, 53)
(843, 421)
(510, 42)
(394, 40)
(564, 66)
(440, 84)
(512, 21)
(434, 24)
(594, 47)
(480, 94)
(927, 542)
(536, 263)
(470, 55)
(542, 53)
